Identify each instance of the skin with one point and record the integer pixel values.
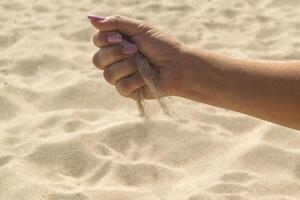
(268, 90)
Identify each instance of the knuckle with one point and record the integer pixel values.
(107, 74)
(144, 25)
(96, 40)
(117, 18)
(97, 60)
(123, 88)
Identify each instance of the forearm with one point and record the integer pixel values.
(263, 89)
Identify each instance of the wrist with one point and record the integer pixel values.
(195, 75)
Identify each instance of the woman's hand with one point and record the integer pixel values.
(269, 90)
(115, 55)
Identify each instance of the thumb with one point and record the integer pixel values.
(124, 25)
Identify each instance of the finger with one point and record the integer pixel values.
(119, 70)
(126, 86)
(102, 39)
(122, 24)
(141, 92)
(111, 54)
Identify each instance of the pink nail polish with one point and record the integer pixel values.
(114, 38)
(129, 48)
(96, 17)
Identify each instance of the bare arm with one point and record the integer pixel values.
(267, 90)
(264, 89)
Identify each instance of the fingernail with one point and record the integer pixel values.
(129, 48)
(114, 38)
(96, 17)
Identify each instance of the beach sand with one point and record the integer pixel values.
(66, 134)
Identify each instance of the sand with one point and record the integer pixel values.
(151, 77)
(67, 135)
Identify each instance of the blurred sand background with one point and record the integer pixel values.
(65, 134)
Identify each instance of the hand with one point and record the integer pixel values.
(115, 55)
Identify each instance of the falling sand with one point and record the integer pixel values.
(150, 75)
